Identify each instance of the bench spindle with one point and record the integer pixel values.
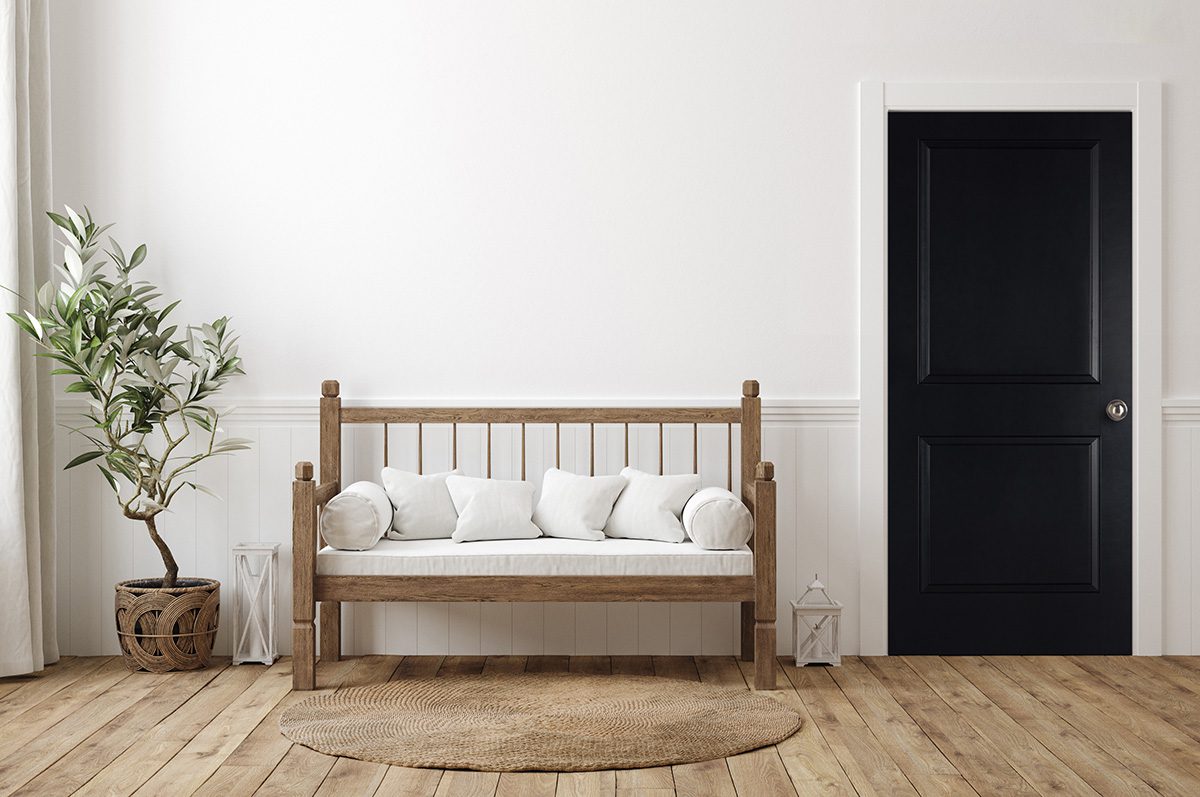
(627, 445)
(661, 462)
(454, 446)
(695, 448)
(522, 452)
(489, 450)
(420, 449)
(592, 450)
(557, 445)
(385, 445)
(729, 458)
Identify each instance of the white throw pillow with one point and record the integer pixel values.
(492, 509)
(717, 520)
(576, 507)
(423, 509)
(650, 506)
(357, 517)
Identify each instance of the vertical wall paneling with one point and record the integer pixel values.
(63, 525)
(1192, 527)
(815, 452)
(1181, 523)
(212, 536)
(91, 606)
(842, 500)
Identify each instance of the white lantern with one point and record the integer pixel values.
(818, 617)
(256, 570)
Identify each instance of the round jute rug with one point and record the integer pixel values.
(558, 722)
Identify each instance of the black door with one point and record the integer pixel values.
(1009, 312)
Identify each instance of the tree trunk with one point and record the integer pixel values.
(168, 559)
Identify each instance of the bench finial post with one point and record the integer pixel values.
(764, 576)
(304, 565)
(751, 431)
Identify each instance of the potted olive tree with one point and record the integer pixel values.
(147, 383)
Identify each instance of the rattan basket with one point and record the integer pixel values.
(162, 630)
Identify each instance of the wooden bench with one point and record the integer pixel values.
(756, 592)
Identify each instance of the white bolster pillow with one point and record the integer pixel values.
(717, 520)
(357, 517)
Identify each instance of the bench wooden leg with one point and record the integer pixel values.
(764, 655)
(747, 630)
(304, 666)
(331, 630)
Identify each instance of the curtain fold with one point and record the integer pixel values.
(28, 637)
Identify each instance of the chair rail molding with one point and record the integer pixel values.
(1144, 100)
(296, 411)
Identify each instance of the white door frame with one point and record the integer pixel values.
(1144, 99)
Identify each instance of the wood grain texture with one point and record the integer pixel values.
(978, 760)
(751, 440)
(928, 725)
(1150, 761)
(331, 630)
(103, 746)
(1023, 752)
(253, 761)
(198, 759)
(508, 589)
(1102, 772)
(517, 415)
(35, 755)
(764, 575)
(407, 782)
(806, 755)
(917, 756)
(527, 784)
(304, 568)
(587, 784)
(760, 772)
(703, 779)
(862, 756)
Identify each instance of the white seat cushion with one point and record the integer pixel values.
(547, 556)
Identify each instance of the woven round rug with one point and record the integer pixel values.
(558, 722)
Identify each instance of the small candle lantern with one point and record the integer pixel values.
(256, 571)
(818, 616)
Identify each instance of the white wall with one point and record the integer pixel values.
(546, 199)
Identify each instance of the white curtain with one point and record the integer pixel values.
(28, 639)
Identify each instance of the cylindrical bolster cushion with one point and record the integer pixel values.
(357, 517)
(717, 520)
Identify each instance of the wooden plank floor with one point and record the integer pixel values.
(905, 725)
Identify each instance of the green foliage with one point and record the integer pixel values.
(147, 381)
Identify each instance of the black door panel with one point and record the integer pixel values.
(1009, 240)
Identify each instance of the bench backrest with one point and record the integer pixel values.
(747, 416)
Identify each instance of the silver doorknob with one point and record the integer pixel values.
(1116, 410)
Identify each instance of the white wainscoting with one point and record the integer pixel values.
(1181, 526)
(814, 445)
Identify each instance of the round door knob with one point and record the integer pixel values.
(1116, 410)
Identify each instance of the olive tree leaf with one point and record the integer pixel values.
(86, 456)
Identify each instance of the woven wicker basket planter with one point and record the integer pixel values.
(162, 630)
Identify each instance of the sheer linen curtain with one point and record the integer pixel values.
(28, 638)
